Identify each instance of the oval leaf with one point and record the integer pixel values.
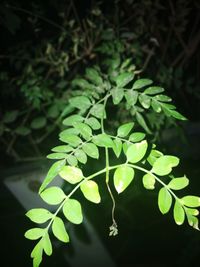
(149, 181)
(191, 201)
(72, 211)
(141, 83)
(125, 129)
(103, 140)
(123, 176)
(53, 195)
(59, 230)
(179, 214)
(47, 244)
(137, 137)
(124, 78)
(164, 200)
(178, 183)
(34, 233)
(39, 215)
(91, 150)
(71, 174)
(136, 151)
(90, 191)
(71, 119)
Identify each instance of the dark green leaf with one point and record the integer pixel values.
(124, 78)
(94, 76)
(153, 90)
(22, 130)
(162, 98)
(117, 95)
(38, 123)
(10, 116)
(131, 97)
(141, 83)
(156, 106)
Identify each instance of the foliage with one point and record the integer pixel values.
(86, 136)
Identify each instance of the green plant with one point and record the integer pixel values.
(88, 134)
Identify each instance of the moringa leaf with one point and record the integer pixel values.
(90, 191)
(72, 211)
(80, 102)
(117, 147)
(71, 139)
(123, 176)
(93, 123)
(136, 151)
(179, 214)
(39, 215)
(124, 78)
(164, 164)
(117, 95)
(102, 140)
(178, 183)
(149, 181)
(34, 233)
(71, 174)
(81, 156)
(71, 119)
(191, 201)
(125, 129)
(59, 230)
(91, 150)
(164, 200)
(53, 195)
(47, 244)
(137, 137)
(141, 83)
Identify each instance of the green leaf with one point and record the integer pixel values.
(98, 111)
(94, 76)
(72, 211)
(164, 165)
(141, 83)
(53, 111)
(103, 140)
(71, 139)
(145, 101)
(124, 78)
(153, 156)
(125, 129)
(163, 98)
(179, 214)
(153, 90)
(90, 191)
(53, 195)
(131, 97)
(52, 173)
(47, 244)
(71, 119)
(72, 161)
(137, 137)
(38, 123)
(56, 156)
(80, 102)
(81, 156)
(10, 116)
(117, 147)
(91, 150)
(117, 95)
(149, 181)
(177, 115)
(62, 149)
(142, 122)
(136, 151)
(193, 221)
(59, 230)
(34, 233)
(36, 254)
(71, 174)
(191, 201)
(178, 183)
(156, 106)
(22, 130)
(39, 215)
(93, 123)
(69, 131)
(164, 200)
(84, 84)
(193, 212)
(84, 129)
(123, 176)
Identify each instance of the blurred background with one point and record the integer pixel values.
(44, 46)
